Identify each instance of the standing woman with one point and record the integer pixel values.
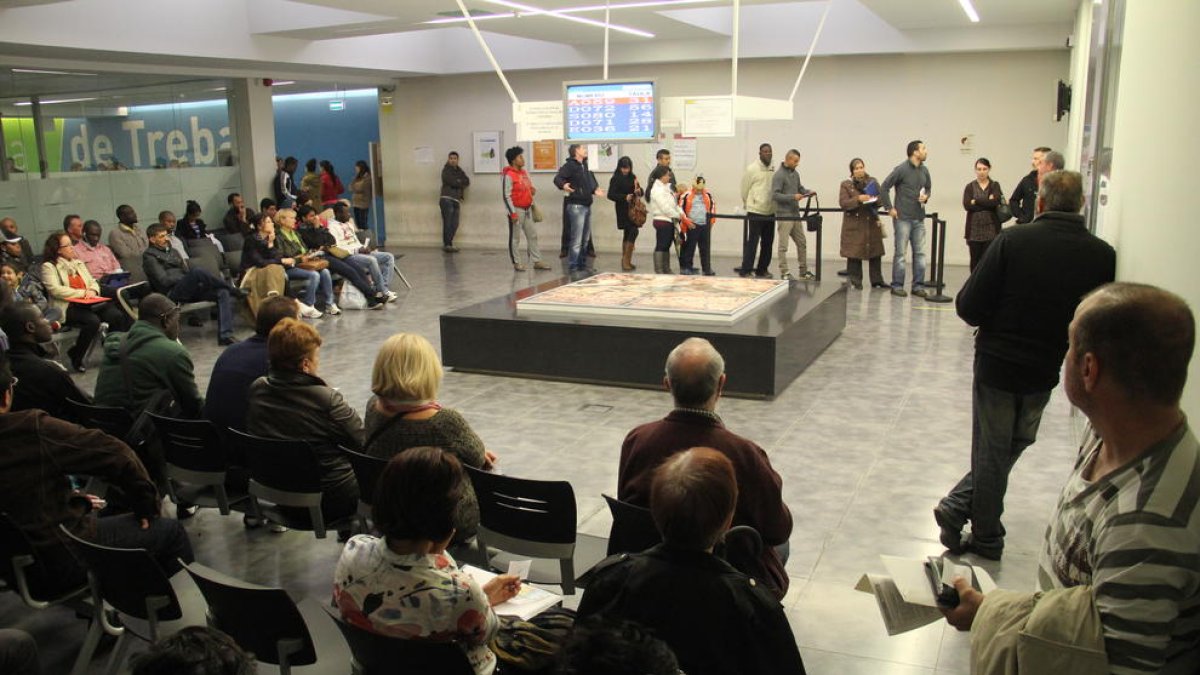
(331, 185)
(361, 194)
(623, 188)
(981, 198)
(862, 233)
(663, 212)
(66, 278)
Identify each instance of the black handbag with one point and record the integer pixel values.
(1003, 211)
(814, 219)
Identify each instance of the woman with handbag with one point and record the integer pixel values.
(664, 211)
(307, 267)
(862, 233)
(625, 191)
(982, 198)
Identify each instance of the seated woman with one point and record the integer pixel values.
(716, 619)
(405, 584)
(291, 402)
(191, 226)
(75, 294)
(262, 273)
(404, 414)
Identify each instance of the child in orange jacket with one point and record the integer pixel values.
(699, 205)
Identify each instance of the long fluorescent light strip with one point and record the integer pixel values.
(970, 10)
(534, 11)
(64, 100)
(35, 71)
(568, 10)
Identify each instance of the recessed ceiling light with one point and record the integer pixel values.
(970, 10)
(529, 10)
(283, 83)
(35, 71)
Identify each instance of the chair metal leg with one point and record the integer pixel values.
(90, 642)
(285, 648)
(120, 653)
(567, 570)
(396, 269)
(222, 499)
(318, 521)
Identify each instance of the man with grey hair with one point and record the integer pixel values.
(695, 376)
(1021, 297)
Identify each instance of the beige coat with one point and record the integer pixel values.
(58, 286)
(862, 234)
(756, 188)
(1056, 632)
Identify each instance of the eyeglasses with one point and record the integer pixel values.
(67, 245)
(13, 383)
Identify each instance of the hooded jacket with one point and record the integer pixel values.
(156, 362)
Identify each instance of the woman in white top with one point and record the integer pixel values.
(663, 211)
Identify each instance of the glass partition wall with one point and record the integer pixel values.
(98, 143)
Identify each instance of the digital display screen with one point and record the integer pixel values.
(610, 111)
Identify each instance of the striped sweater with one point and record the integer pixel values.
(1134, 536)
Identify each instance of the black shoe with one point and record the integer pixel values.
(843, 273)
(991, 551)
(185, 511)
(252, 523)
(920, 293)
(76, 361)
(709, 273)
(951, 531)
(856, 283)
(764, 275)
(227, 340)
(879, 284)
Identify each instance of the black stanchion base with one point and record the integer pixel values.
(939, 298)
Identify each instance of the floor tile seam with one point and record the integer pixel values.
(864, 657)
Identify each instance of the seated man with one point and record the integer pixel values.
(40, 454)
(195, 650)
(10, 233)
(45, 383)
(1127, 523)
(378, 264)
(695, 375)
(317, 237)
(127, 241)
(12, 253)
(716, 619)
(168, 275)
(240, 365)
(151, 360)
(98, 258)
(168, 220)
(237, 218)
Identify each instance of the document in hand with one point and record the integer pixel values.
(905, 597)
(529, 601)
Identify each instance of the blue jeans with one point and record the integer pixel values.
(313, 280)
(377, 265)
(450, 211)
(200, 285)
(579, 216)
(1003, 425)
(909, 231)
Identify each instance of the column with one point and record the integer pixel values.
(252, 121)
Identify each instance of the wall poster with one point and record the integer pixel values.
(487, 153)
(545, 156)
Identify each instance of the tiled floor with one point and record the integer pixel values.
(866, 440)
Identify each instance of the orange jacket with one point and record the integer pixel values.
(685, 202)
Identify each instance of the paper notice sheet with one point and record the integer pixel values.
(529, 601)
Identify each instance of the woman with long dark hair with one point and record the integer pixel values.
(362, 193)
(981, 198)
(331, 185)
(623, 188)
(76, 294)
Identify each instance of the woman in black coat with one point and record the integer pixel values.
(623, 188)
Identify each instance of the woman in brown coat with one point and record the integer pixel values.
(862, 233)
(981, 197)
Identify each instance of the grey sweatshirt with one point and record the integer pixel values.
(908, 181)
(785, 185)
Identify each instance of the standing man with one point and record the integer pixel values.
(1051, 161)
(663, 157)
(579, 186)
(127, 241)
(760, 212)
(518, 191)
(1024, 199)
(454, 182)
(788, 192)
(1021, 297)
(1125, 535)
(913, 185)
(168, 275)
(283, 187)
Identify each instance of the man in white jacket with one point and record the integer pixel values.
(760, 209)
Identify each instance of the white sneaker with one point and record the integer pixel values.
(332, 309)
(391, 296)
(309, 312)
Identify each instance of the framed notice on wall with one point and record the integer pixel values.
(487, 153)
(545, 156)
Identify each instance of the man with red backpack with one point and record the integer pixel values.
(518, 193)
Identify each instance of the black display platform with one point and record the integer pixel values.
(763, 352)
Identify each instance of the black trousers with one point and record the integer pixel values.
(87, 319)
(760, 234)
(977, 249)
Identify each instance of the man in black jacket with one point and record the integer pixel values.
(45, 383)
(1023, 201)
(579, 186)
(168, 275)
(454, 184)
(1022, 297)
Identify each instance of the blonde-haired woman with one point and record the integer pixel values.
(404, 413)
(291, 247)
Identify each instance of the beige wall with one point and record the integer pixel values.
(867, 106)
(1150, 217)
